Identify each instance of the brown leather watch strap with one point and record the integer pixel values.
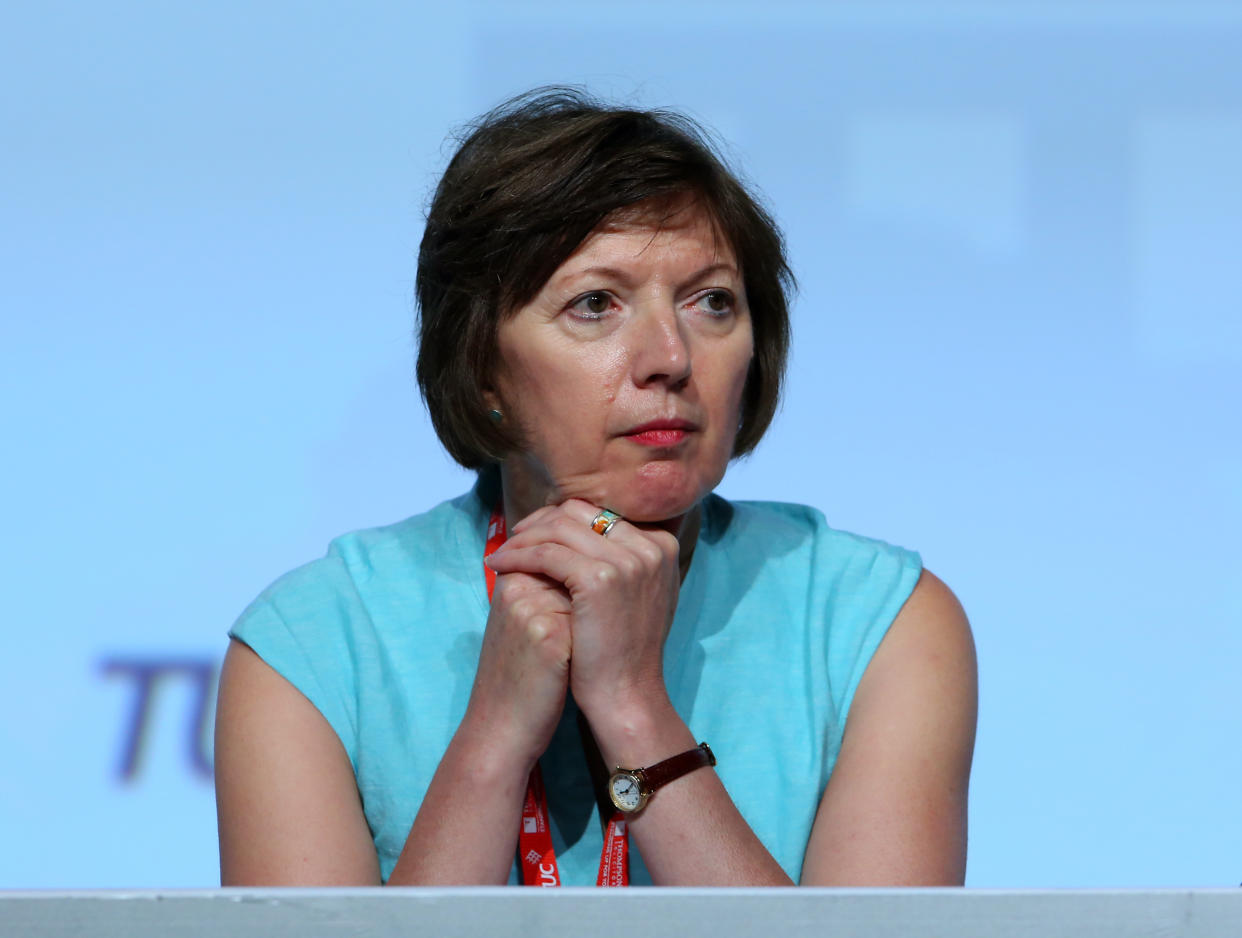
(660, 774)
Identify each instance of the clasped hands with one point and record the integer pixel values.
(573, 611)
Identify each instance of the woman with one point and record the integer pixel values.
(603, 327)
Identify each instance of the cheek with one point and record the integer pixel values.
(732, 390)
(562, 403)
(739, 370)
(604, 370)
(563, 375)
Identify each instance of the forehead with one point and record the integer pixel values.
(653, 229)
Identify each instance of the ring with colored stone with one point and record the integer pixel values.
(602, 523)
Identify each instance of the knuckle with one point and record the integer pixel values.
(503, 593)
(631, 565)
(538, 628)
(604, 575)
(653, 554)
(544, 628)
(523, 607)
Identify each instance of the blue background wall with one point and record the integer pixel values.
(1018, 231)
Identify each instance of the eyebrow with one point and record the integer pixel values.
(620, 276)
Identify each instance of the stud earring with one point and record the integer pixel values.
(495, 416)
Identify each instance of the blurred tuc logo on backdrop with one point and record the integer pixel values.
(147, 674)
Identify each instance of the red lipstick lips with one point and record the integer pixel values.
(660, 432)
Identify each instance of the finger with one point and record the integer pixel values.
(511, 587)
(549, 559)
(585, 512)
(625, 545)
(623, 532)
(590, 517)
(518, 586)
(560, 528)
(576, 507)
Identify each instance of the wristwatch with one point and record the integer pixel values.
(629, 789)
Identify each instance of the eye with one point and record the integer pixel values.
(593, 305)
(716, 303)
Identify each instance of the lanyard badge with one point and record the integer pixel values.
(539, 866)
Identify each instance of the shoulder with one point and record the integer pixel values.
(846, 589)
(429, 539)
(319, 624)
(425, 543)
(931, 638)
(787, 519)
(802, 534)
(932, 605)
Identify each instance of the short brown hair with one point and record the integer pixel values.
(530, 180)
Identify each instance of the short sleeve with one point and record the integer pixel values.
(300, 627)
(873, 582)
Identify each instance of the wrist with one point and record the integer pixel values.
(640, 735)
(496, 752)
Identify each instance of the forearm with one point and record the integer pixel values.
(690, 833)
(467, 826)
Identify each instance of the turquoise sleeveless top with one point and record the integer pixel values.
(776, 621)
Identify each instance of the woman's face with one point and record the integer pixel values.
(625, 373)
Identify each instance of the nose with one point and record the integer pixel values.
(661, 353)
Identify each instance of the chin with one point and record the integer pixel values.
(661, 492)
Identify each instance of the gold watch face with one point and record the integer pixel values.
(625, 791)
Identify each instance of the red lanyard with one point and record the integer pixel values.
(539, 867)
